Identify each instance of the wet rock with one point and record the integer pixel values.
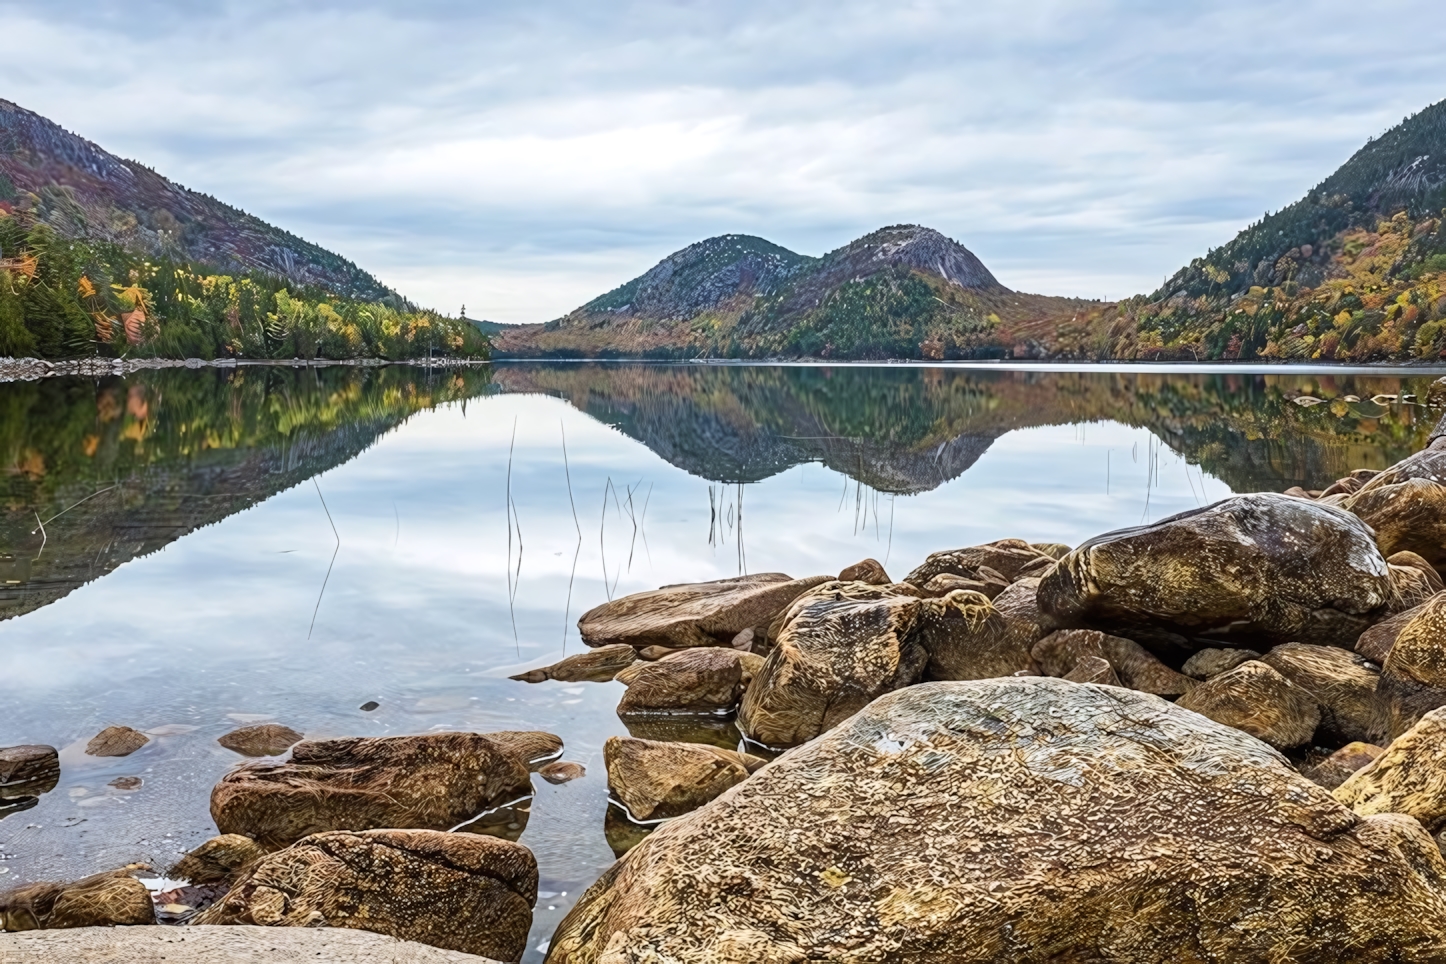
(655, 781)
(1406, 505)
(1413, 676)
(116, 741)
(1338, 767)
(869, 571)
(703, 680)
(369, 706)
(27, 771)
(461, 892)
(1060, 652)
(1260, 567)
(911, 834)
(988, 583)
(709, 729)
(623, 834)
(1409, 777)
(1209, 663)
(1375, 643)
(1093, 669)
(267, 739)
(595, 666)
(1342, 683)
(1256, 699)
(103, 900)
(437, 781)
(11, 805)
(126, 783)
(692, 614)
(531, 747)
(1006, 557)
(218, 860)
(562, 771)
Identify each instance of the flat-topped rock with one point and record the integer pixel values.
(693, 614)
(215, 944)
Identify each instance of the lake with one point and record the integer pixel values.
(189, 551)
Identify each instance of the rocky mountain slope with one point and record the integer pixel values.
(83, 191)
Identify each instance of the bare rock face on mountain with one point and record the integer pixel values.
(1342, 683)
(1406, 505)
(1409, 777)
(911, 834)
(1413, 677)
(436, 782)
(460, 891)
(1059, 653)
(693, 614)
(1260, 567)
(1256, 699)
(656, 780)
(103, 900)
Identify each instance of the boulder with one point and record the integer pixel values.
(219, 859)
(1406, 505)
(1413, 676)
(103, 900)
(1253, 568)
(869, 571)
(595, 666)
(692, 614)
(1019, 605)
(1342, 684)
(967, 638)
(1055, 550)
(1338, 767)
(1006, 557)
(220, 945)
(654, 653)
(1023, 820)
(1257, 700)
(988, 583)
(1411, 559)
(655, 781)
(1413, 585)
(459, 891)
(1093, 669)
(1209, 663)
(703, 680)
(436, 782)
(531, 748)
(1060, 652)
(28, 771)
(116, 741)
(1375, 643)
(1409, 777)
(562, 771)
(267, 739)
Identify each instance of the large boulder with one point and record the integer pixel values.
(1406, 504)
(1059, 653)
(702, 680)
(1008, 557)
(459, 891)
(435, 782)
(1256, 699)
(655, 781)
(1409, 777)
(1019, 605)
(967, 638)
(102, 900)
(1342, 683)
(1263, 567)
(594, 666)
(1026, 819)
(1375, 643)
(693, 614)
(1413, 677)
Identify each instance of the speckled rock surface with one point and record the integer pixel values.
(1251, 568)
(1060, 652)
(1340, 765)
(1406, 505)
(264, 739)
(1006, 557)
(1341, 682)
(1023, 820)
(1409, 777)
(656, 780)
(241, 944)
(1413, 677)
(700, 680)
(458, 891)
(692, 614)
(115, 897)
(1256, 699)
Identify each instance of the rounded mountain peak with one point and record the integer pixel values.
(919, 248)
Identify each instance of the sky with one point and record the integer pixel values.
(522, 158)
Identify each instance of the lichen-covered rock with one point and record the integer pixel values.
(1256, 699)
(1209, 663)
(437, 781)
(595, 666)
(103, 900)
(1406, 505)
(655, 781)
(967, 638)
(1342, 683)
(1409, 777)
(1006, 557)
(1260, 567)
(702, 680)
(1093, 669)
(1413, 676)
(1026, 819)
(219, 859)
(1055, 550)
(1060, 652)
(988, 583)
(1338, 767)
(1415, 561)
(116, 741)
(870, 571)
(1375, 643)
(692, 614)
(265, 739)
(459, 891)
(28, 771)
(1413, 584)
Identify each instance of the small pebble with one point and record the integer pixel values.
(562, 771)
(126, 783)
(369, 705)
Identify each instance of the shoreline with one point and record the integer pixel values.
(33, 369)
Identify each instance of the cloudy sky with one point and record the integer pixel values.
(524, 157)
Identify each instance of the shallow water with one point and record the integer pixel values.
(186, 552)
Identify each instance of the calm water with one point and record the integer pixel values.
(221, 548)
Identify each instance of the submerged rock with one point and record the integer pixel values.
(692, 614)
(116, 741)
(595, 666)
(1413, 676)
(1409, 777)
(267, 739)
(1342, 683)
(219, 859)
(458, 891)
(103, 900)
(655, 781)
(1257, 700)
(1406, 505)
(702, 680)
(1338, 767)
(912, 834)
(1260, 567)
(436, 782)
(1059, 653)
(27, 771)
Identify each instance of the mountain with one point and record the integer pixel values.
(83, 191)
(903, 291)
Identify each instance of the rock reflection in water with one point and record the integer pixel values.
(719, 731)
